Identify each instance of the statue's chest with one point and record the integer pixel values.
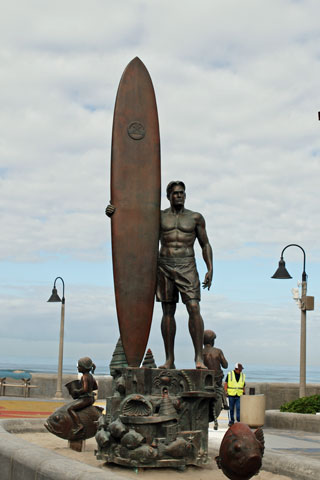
(183, 223)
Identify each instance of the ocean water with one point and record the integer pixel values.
(254, 373)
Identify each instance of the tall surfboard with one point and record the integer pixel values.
(135, 192)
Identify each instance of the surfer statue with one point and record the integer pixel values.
(155, 418)
(177, 272)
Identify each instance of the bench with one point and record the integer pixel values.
(22, 378)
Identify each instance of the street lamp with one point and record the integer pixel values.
(307, 303)
(55, 298)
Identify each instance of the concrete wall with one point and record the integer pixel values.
(276, 393)
(47, 386)
(21, 460)
(292, 421)
(279, 393)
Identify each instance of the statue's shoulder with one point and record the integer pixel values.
(164, 213)
(196, 215)
(186, 211)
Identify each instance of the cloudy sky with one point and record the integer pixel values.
(237, 87)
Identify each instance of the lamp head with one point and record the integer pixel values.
(281, 272)
(54, 297)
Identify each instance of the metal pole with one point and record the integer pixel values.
(303, 341)
(60, 362)
(303, 328)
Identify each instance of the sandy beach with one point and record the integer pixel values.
(60, 446)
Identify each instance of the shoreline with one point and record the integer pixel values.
(254, 373)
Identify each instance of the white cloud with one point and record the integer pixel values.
(237, 92)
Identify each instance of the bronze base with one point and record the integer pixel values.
(157, 418)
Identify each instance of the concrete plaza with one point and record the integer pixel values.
(291, 453)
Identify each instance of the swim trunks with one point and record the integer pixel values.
(177, 275)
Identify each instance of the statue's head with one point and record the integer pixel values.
(85, 364)
(176, 193)
(174, 183)
(209, 337)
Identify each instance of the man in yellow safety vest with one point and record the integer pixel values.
(235, 387)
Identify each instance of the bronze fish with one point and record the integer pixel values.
(60, 423)
(241, 451)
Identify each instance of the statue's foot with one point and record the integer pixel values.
(168, 366)
(201, 366)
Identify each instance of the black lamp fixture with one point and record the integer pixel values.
(54, 296)
(282, 272)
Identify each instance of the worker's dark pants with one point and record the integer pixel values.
(234, 402)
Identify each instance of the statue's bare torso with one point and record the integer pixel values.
(178, 232)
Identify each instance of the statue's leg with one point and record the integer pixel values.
(196, 329)
(168, 330)
(215, 416)
(76, 406)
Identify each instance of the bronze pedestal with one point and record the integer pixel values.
(157, 418)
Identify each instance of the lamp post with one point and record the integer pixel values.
(307, 303)
(55, 298)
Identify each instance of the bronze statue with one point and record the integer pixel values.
(84, 396)
(241, 452)
(154, 418)
(61, 424)
(214, 359)
(77, 420)
(177, 272)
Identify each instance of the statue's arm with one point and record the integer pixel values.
(85, 383)
(223, 360)
(84, 386)
(206, 250)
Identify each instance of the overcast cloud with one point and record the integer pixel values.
(237, 87)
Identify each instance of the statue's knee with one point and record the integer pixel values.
(193, 307)
(168, 310)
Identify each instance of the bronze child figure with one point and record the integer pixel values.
(84, 396)
(214, 359)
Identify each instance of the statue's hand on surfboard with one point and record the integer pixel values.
(110, 210)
